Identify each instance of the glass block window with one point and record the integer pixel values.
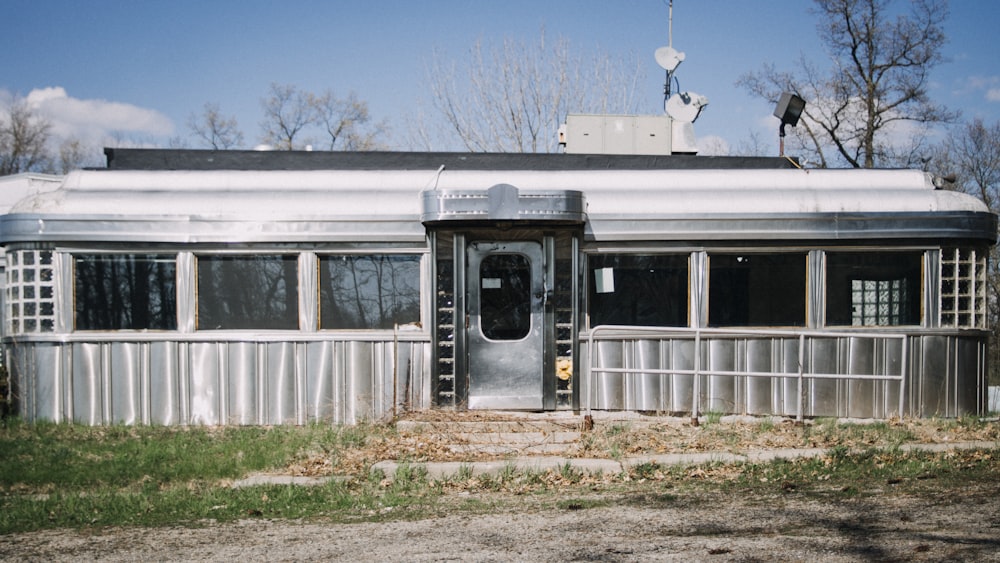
(879, 302)
(30, 293)
(963, 288)
(372, 291)
(248, 292)
(873, 288)
(124, 292)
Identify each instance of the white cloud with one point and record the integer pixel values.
(95, 121)
(990, 85)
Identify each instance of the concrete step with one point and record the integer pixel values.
(521, 436)
(485, 426)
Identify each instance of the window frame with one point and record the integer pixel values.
(74, 258)
(294, 322)
(590, 283)
(752, 254)
(916, 295)
(420, 261)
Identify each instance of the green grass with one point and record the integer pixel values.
(55, 475)
(69, 476)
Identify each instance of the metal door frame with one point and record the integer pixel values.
(548, 330)
(506, 371)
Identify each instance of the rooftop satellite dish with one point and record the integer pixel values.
(668, 58)
(685, 106)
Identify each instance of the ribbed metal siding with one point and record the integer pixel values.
(214, 382)
(946, 376)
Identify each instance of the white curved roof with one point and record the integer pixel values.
(18, 186)
(311, 193)
(382, 198)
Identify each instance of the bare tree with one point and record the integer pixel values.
(512, 96)
(24, 137)
(877, 87)
(214, 129)
(287, 112)
(346, 122)
(972, 153)
(971, 156)
(290, 114)
(75, 154)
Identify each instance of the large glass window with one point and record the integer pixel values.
(873, 289)
(369, 291)
(638, 289)
(248, 292)
(757, 290)
(125, 292)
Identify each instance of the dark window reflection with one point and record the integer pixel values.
(873, 289)
(248, 292)
(505, 296)
(638, 290)
(369, 292)
(757, 290)
(125, 292)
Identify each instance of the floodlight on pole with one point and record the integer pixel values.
(788, 110)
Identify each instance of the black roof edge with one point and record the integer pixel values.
(196, 159)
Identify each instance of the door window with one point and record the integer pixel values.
(505, 296)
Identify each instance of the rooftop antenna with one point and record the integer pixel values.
(667, 57)
(681, 106)
(670, 24)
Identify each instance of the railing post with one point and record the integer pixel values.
(696, 384)
(588, 418)
(802, 367)
(904, 362)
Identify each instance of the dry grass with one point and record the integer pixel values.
(444, 434)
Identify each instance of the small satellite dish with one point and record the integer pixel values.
(685, 106)
(668, 58)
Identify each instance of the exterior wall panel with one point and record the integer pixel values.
(241, 383)
(936, 384)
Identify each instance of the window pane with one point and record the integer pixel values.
(369, 292)
(249, 291)
(757, 290)
(873, 289)
(638, 290)
(125, 292)
(505, 296)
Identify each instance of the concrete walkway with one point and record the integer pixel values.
(437, 471)
(446, 470)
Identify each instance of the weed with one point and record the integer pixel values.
(766, 425)
(713, 417)
(464, 473)
(645, 470)
(616, 430)
(569, 473)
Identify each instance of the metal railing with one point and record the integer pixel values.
(621, 332)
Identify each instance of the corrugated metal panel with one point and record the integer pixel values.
(937, 383)
(217, 382)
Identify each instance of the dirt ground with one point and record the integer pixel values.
(962, 526)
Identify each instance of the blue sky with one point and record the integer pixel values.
(141, 68)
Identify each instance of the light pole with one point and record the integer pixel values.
(788, 110)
